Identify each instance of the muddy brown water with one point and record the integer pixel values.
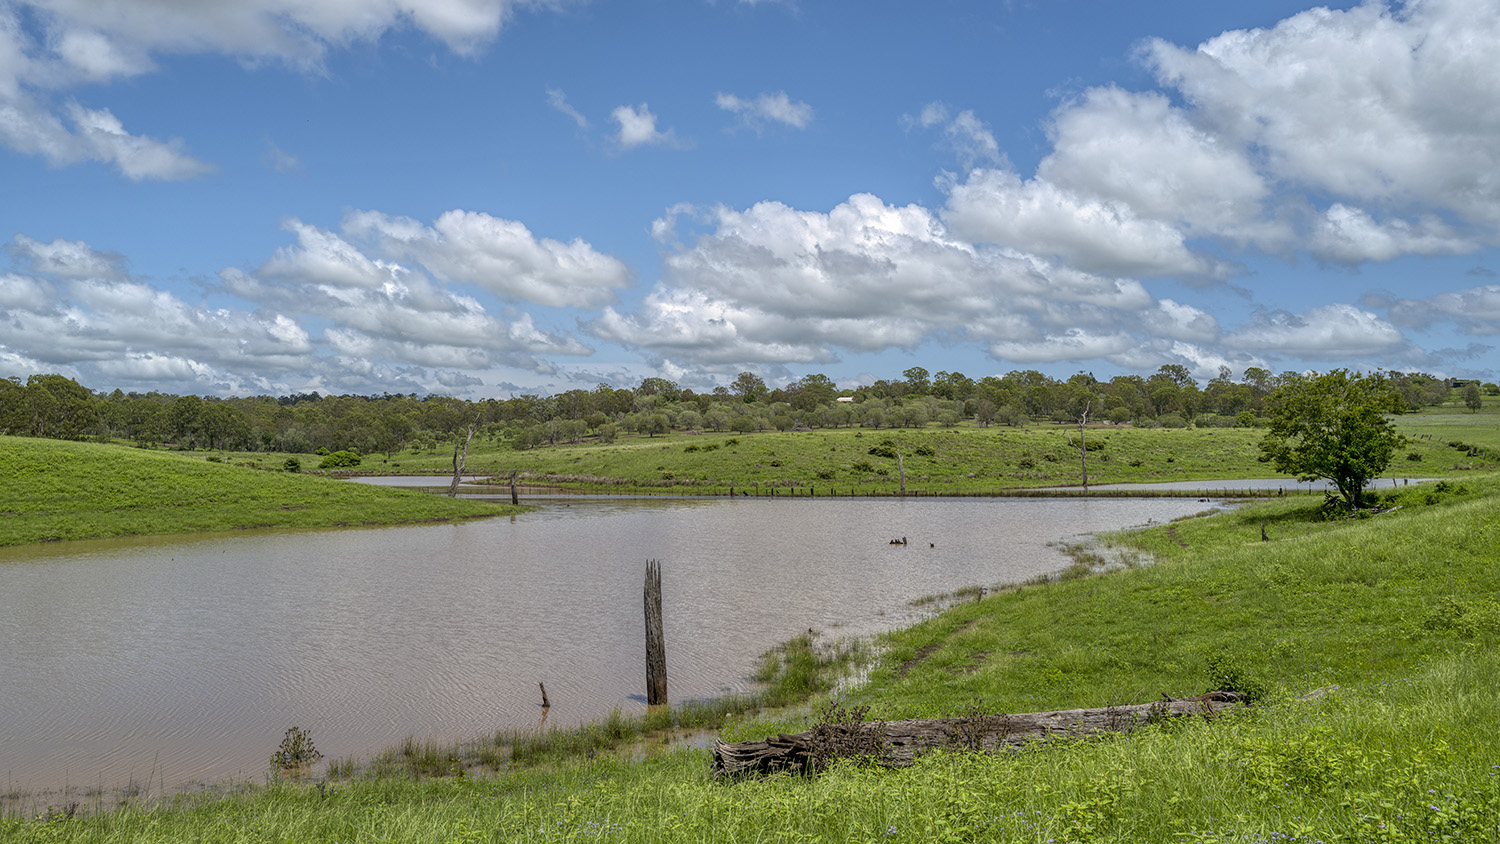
(181, 661)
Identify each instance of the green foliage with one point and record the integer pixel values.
(340, 460)
(1472, 399)
(1230, 671)
(296, 751)
(291, 464)
(1334, 427)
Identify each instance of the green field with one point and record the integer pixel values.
(54, 490)
(1394, 617)
(959, 460)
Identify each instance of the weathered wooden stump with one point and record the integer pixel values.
(656, 646)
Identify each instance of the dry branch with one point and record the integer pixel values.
(900, 742)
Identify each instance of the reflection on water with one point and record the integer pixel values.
(185, 659)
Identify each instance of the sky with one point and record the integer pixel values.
(485, 198)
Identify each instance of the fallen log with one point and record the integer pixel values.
(897, 743)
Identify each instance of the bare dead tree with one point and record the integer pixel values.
(460, 459)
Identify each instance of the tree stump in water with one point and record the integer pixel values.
(656, 646)
(897, 743)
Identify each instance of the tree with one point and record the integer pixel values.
(916, 380)
(1472, 399)
(1333, 427)
(748, 386)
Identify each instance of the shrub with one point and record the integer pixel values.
(1414, 457)
(340, 460)
(291, 464)
(296, 751)
(1227, 672)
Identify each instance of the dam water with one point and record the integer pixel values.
(178, 661)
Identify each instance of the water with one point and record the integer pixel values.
(180, 661)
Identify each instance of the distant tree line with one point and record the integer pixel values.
(58, 407)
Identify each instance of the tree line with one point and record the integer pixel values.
(51, 405)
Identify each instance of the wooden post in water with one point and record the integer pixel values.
(513, 499)
(656, 646)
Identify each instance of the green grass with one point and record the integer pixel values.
(960, 460)
(53, 490)
(1399, 611)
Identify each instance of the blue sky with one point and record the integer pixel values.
(487, 197)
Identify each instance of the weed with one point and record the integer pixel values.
(296, 751)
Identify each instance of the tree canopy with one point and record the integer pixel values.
(1333, 427)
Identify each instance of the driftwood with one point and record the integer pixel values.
(897, 743)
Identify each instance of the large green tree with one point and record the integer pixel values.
(1334, 427)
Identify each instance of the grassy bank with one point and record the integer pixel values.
(1393, 617)
(54, 490)
(962, 459)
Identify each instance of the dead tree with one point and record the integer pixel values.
(897, 743)
(459, 460)
(1083, 449)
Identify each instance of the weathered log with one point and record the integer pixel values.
(900, 742)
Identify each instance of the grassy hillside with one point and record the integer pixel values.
(1393, 617)
(961, 460)
(52, 490)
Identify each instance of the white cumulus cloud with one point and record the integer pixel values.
(638, 128)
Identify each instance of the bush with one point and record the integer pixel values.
(291, 464)
(296, 751)
(1227, 672)
(1171, 420)
(340, 460)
